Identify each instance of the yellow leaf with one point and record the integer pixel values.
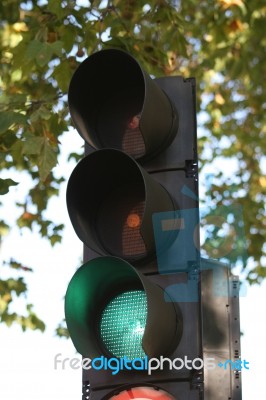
(229, 3)
(208, 37)
(20, 27)
(171, 62)
(263, 181)
(219, 99)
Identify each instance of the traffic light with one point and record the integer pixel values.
(134, 308)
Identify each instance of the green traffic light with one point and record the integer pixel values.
(112, 308)
(123, 323)
(93, 294)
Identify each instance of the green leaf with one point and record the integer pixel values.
(17, 265)
(68, 37)
(44, 55)
(63, 74)
(47, 155)
(47, 160)
(33, 49)
(41, 113)
(5, 185)
(10, 118)
(55, 239)
(40, 51)
(33, 145)
(56, 8)
(16, 285)
(9, 318)
(17, 151)
(17, 98)
(57, 47)
(62, 330)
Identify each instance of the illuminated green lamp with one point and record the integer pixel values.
(123, 324)
(113, 310)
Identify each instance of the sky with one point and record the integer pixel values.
(27, 360)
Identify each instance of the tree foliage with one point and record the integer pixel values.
(220, 42)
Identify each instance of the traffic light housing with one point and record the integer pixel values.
(108, 290)
(122, 195)
(133, 202)
(112, 100)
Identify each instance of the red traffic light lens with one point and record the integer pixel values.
(115, 104)
(143, 393)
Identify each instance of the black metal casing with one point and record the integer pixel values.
(163, 167)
